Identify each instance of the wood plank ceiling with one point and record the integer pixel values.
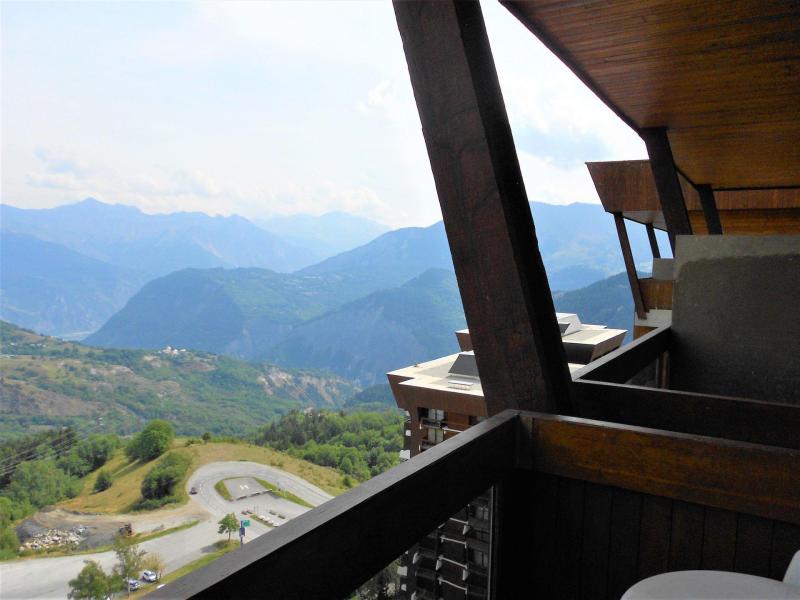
(722, 77)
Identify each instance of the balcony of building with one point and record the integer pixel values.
(607, 504)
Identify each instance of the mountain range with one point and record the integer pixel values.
(301, 322)
(50, 288)
(155, 245)
(325, 235)
(82, 269)
(82, 262)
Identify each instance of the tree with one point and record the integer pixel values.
(152, 441)
(41, 482)
(9, 542)
(228, 524)
(130, 559)
(92, 583)
(207, 436)
(155, 562)
(103, 481)
(97, 449)
(161, 480)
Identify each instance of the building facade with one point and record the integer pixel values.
(442, 398)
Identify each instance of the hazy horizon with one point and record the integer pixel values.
(262, 109)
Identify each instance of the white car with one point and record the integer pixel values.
(133, 585)
(149, 576)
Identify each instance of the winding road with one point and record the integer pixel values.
(48, 577)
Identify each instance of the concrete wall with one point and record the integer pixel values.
(736, 316)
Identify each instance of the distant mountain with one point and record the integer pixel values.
(393, 258)
(325, 235)
(578, 242)
(321, 321)
(156, 245)
(58, 291)
(312, 321)
(386, 330)
(48, 382)
(240, 312)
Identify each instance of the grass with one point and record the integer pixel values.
(222, 489)
(283, 493)
(125, 492)
(223, 547)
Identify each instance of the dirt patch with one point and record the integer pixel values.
(100, 529)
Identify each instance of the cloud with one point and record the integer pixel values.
(57, 162)
(547, 181)
(265, 107)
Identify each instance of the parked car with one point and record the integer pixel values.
(149, 576)
(133, 584)
(193, 490)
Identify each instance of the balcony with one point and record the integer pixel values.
(607, 504)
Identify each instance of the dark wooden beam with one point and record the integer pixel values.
(331, 550)
(709, 209)
(749, 478)
(500, 273)
(738, 419)
(667, 184)
(630, 266)
(651, 236)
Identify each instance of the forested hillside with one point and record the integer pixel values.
(48, 382)
(384, 331)
(360, 445)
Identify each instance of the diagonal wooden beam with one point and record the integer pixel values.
(651, 236)
(709, 209)
(667, 183)
(630, 266)
(488, 221)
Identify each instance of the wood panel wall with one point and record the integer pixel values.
(595, 541)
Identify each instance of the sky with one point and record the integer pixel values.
(262, 108)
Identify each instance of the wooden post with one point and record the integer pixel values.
(651, 236)
(709, 209)
(630, 266)
(488, 221)
(667, 184)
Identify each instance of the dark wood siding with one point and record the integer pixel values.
(596, 541)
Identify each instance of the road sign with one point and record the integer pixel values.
(246, 523)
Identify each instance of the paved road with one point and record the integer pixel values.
(48, 577)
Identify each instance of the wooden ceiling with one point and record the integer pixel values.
(722, 77)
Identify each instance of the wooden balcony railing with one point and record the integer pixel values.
(580, 505)
(600, 392)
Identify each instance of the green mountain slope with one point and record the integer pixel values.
(386, 330)
(241, 312)
(391, 259)
(55, 290)
(46, 381)
(607, 302)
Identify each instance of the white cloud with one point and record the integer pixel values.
(264, 107)
(548, 182)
